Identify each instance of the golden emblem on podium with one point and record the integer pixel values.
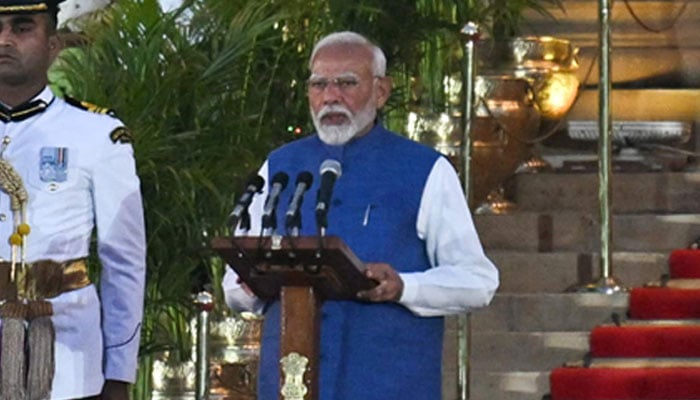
(293, 367)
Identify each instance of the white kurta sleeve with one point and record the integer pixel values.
(462, 278)
(234, 294)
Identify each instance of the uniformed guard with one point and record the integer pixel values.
(67, 171)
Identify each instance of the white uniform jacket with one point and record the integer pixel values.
(79, 177)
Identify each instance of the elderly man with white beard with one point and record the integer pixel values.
(400, 207)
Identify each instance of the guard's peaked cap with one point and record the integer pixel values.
(28, 6)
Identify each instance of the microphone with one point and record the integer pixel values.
(278, 183)
(253, 186)
(293, 216)
(330, 171)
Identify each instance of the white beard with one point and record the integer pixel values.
(341, 134)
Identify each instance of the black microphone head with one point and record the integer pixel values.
(282, 178)
(254, 185)
(256, 181)
(331, 165)
(305, 177)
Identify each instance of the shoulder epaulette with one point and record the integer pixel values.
(84, 105)
(122, 135)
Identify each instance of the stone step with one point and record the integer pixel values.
(655, 362)
(524, 272)
(556, 312)
(526, 351)
(580, 232)
(662, 192)
(520, 338)
(512, 385)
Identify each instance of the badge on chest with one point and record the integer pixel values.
(53, 164)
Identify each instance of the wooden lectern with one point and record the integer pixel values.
(302, 272)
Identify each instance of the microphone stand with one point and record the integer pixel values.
(244, 223)
(319, 250)
(294, 231)
(269, 225)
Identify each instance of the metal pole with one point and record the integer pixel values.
(471, 34)
(604, 143)
(606, 283)
(205, 303)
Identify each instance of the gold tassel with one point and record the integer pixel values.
(12, 366)
(41, 346)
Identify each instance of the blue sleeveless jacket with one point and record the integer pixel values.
(368, 350)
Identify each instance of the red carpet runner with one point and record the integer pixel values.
(654, 355)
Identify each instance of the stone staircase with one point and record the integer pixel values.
(549, 245)
(551, 242)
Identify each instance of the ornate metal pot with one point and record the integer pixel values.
(505, 120)
(234, 348)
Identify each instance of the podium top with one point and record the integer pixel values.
(266, 264)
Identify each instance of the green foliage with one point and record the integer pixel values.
(202, 121)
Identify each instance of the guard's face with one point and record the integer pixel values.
(344, 95)
(27, 48)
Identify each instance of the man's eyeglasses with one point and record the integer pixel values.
(344, 84)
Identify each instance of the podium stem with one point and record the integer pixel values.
(300, 334)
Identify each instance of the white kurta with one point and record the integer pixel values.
(94, 340)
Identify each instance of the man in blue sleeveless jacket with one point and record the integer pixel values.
(400, 207)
